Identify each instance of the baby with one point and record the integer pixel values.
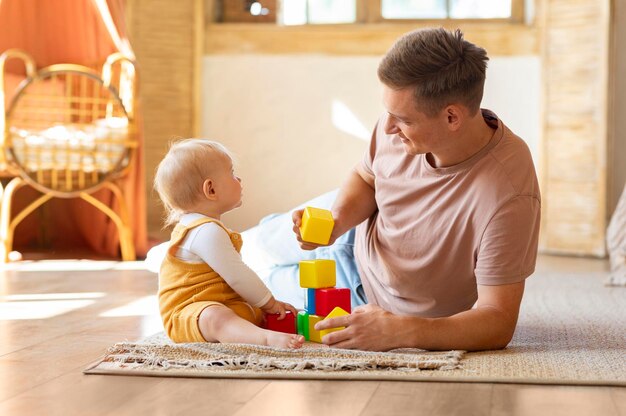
(206, 292)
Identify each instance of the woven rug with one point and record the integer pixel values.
(572, 330)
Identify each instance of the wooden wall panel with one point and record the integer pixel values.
(167, 38)
(574, 38)
(617, 121)
(500, 39)
(575, 55)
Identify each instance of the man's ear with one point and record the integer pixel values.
(209, 190)
(455, 117)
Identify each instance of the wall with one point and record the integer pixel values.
(299, 122)
(617, 151)
(576, 116)
(167, 39)
(577, 147)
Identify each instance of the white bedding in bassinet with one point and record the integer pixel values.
(93, 147)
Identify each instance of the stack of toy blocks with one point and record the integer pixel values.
(322, 299)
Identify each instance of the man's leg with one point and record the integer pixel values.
(284, 280)
(271, 250)
(273, 243)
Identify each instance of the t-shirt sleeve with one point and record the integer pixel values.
(508, 249)
(366, 165)
(212, 244)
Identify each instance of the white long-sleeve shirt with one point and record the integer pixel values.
(209, 243)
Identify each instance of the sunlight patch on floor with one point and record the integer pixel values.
(51, 296)
(150, 325)
(43, 309)
(72, 265)
(148, 305)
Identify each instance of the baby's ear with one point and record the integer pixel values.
(208, 190)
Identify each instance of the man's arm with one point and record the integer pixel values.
(354, 204)
(488, 326)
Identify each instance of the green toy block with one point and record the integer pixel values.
(303, 324)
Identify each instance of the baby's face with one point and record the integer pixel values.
(228, 186)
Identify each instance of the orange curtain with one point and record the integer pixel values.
(83, 32)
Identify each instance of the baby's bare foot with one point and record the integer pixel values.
(282, 340)
(296, 341)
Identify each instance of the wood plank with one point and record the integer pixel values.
(401, 398)
(44, 375)
(618, 395)
(285, 397)
(192, 397)
(78, 394)
(31, 367)
(551, 401)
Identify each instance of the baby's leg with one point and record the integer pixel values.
(220, 324)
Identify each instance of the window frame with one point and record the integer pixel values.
(368, 36)
(370, 11)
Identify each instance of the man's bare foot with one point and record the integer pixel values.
(282, 340)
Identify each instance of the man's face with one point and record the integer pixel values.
(419, 133)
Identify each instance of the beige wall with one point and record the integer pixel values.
(276, 114)
(575, 65)
(617, 155)
(299, 122)
(268, 92)
(167, 39)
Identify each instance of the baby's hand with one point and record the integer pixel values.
(274, 306)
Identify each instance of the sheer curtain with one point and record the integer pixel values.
(83, 32)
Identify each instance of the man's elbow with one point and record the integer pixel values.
(492, 343)
(502, 338)
(501, 344)
(502, 328)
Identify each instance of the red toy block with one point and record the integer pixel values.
(328, 299)
(287, 325)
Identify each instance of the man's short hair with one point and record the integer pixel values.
(441, 66)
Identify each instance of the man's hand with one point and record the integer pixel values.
(305, 245)
(354, 204)
(490, 325)
(369, 327)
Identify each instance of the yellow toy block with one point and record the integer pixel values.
(333, 314)
(317, 225)
(316, 274)
(314, 335)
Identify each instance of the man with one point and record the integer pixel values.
(446, 204)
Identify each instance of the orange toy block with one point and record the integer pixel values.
(317, 225)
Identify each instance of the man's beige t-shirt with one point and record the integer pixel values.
(439, 232)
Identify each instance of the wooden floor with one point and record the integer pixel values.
(57, 317)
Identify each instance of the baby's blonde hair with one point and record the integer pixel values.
(182, 172)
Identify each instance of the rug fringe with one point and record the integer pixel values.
(338, 360)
